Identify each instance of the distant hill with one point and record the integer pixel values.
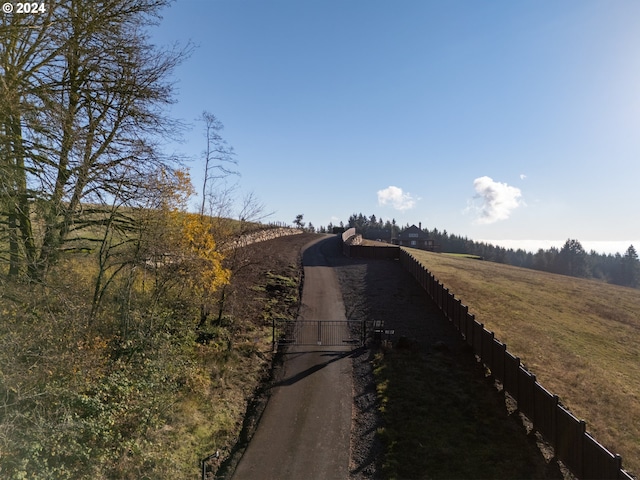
(571, 259)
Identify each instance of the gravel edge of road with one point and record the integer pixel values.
(366, 448)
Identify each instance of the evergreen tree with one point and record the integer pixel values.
(572, 259)
(629, 268)
(298, 221)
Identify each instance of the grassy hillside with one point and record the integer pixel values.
(579, 337)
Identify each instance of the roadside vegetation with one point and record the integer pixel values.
(578, 336)
(141, 387)
(125, 348)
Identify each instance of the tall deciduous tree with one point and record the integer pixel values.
(83, 94)
(26, 50)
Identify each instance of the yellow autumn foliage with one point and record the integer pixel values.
(200, 245)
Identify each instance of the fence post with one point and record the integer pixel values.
(499, 353)
(468, 328)
(273, 334)
(450, 307)
(583, 428)
(487, 344)
(511, 367)
(443, 302)
(618, 463)
(363, 337)
(554, 440)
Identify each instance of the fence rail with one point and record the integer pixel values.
(573, 445)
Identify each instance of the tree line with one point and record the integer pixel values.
(571, 259)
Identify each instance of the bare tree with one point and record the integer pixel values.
(89, 95)
(219, 157)
(251, 212)
(26, 50)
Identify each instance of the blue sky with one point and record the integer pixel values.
(498, 120)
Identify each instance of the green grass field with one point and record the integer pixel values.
(580, 338)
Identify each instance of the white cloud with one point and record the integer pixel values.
(522, 176)
(395, 197)
(497, 200)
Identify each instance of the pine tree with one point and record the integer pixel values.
(572, 259)
(630, 268)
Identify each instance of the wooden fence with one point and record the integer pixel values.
(365, 251)
(391, 252)
(573, 445)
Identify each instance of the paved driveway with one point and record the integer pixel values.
(305, 429)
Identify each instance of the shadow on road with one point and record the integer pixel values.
(329, 247)
(336, 356)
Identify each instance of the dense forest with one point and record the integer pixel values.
(571, 259)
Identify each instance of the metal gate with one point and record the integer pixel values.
(319, 332)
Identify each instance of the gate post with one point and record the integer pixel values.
(363, 337)
(273, 334)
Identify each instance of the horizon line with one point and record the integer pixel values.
(600, 246)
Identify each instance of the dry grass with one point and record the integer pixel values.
(580, 337)
(375, 243)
